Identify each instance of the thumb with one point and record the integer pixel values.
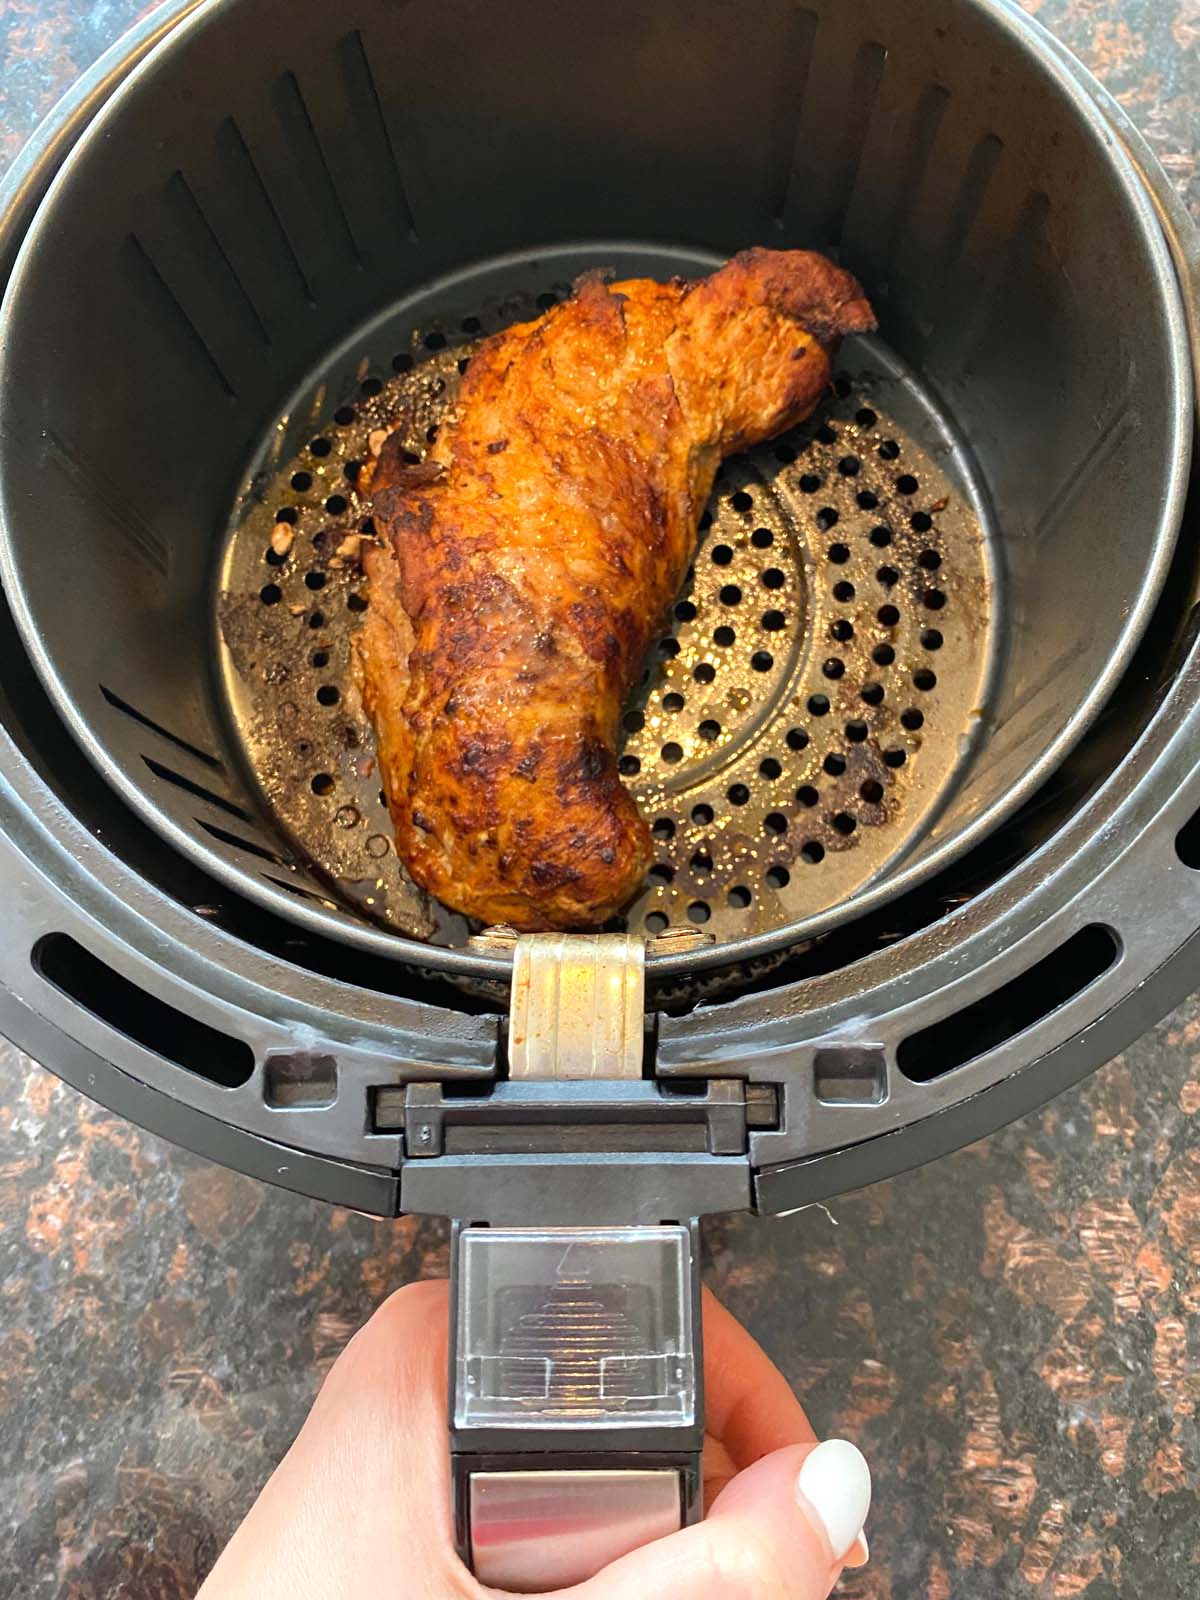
(781, 1530)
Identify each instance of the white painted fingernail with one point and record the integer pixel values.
(835, 1485)
(859, 1552)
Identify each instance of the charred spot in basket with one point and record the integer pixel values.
(789, 731)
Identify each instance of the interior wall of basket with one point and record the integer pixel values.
(274, 177)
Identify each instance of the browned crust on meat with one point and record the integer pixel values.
(528, 564)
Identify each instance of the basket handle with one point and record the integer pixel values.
(576, 1393)
(576, 1399)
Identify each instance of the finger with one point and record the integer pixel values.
(362, 1499)
(751, 1408)
(366, 1483)
(781, 1531)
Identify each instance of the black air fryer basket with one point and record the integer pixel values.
(919, 743)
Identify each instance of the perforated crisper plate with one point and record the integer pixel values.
(805, 714)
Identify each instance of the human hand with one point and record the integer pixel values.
(360, 1505)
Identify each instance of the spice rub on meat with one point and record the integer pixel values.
(526, 566)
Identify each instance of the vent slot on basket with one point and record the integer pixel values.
(173, 317)
(992, 1021)
(169, 775)
(301, 894)
(238, 843)
(139, 1015)
(793, 67)
(144, 721)
(1187, 843)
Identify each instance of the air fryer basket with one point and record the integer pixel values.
(938, 906)
(818, 688)
(267, 219)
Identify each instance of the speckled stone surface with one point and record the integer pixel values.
(1012, 1334)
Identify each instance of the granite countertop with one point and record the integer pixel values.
(1012, 1334)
